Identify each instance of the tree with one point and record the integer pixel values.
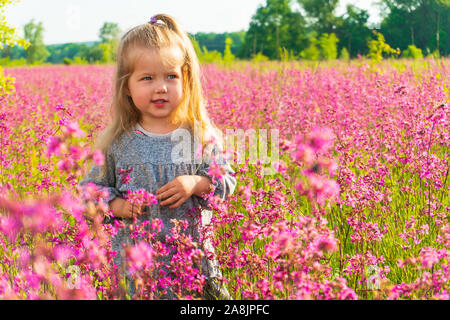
(424, 23)
(228, 57)
(109, 31)
(8, 34)
(353, 32)
(408, 8)
(275, 26)
(412, 52)
(439, 6)
(109, 36)
(216, 41)
(311, 52)
(320, 14)
(328, 46)
(94, 54)
(378, 47)
(9, 37)
(33, 33)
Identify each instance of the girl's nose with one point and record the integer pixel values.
(161, 88)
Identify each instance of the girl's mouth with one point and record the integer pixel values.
(160, 102)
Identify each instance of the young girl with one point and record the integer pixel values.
(157, 94)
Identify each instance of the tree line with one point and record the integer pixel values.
(406, 25)
(278, 31)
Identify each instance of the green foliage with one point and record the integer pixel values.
(79, 60)
(378, 46)
(328, 46)
(60, 51)
(228, 57)
(205, 56)
(425, 24)
(286, 55)
(109, 36)
(9, 37)
(109, 31)
(344, 55)
(8, 34)
(352, 31)
(34, 34)
(275, 26)
(321, 14)
(435, 54)
(312, 52)
(216, 41)
(210, 56)
(76, 60)
(94, 54)
(107, 52)
(412, 52)
(8, 62)
(259, 57)
(6, 84)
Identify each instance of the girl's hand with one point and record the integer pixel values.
(177, 191)
(124, 209)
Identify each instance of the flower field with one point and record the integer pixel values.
(358, 208)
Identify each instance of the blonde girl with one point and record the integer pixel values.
(157, 95)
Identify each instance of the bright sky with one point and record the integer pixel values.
(80, 20)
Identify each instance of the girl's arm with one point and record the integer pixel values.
(177, 191)
(202, 185)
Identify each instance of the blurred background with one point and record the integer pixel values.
(87, 32)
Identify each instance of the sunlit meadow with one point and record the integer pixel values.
(358, 207)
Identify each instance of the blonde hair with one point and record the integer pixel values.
(191, 111)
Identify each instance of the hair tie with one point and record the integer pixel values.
(154, 20)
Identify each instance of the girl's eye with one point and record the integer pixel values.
(172, 76)
(150, 78)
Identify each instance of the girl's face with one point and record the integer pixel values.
(156, 87)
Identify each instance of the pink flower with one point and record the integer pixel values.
(139, 257)
(156, 225)
(98, 157)
(303, 153)
(59, 107)
(321, 139)
(53, 146)
(63, 253)
(327, 245)
(430, 257)
(10, 227)
(65, 164)
(74, 128)
(216, 171)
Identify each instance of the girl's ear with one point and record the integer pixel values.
(127, 91)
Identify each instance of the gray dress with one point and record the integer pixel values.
(155, 160)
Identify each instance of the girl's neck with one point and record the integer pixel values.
(159, 129)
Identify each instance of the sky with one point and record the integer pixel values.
(80, 20)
